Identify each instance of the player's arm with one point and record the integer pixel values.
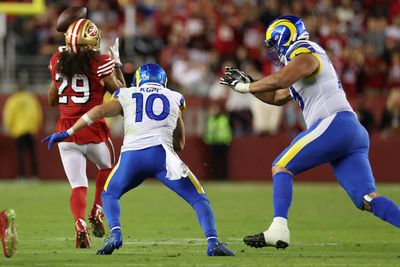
(114, 81)
(179, 135)
(276, 98)
(52, 94)
(108, 109)
(300, 67)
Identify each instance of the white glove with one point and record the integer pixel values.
(114, 52)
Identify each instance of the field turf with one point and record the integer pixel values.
(161, 230)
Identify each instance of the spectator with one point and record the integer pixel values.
(354, 60)
(375, 34)
(293, 121)
(390, 122)
(374, 72)
(365, 116)
(266, 118)
(394, 71)
(218, 136)
(393, 31)
(22, 118)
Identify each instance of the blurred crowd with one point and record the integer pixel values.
(193, 40)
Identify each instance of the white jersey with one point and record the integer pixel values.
(321, 94)
(150, 115)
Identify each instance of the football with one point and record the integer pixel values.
(68, 16)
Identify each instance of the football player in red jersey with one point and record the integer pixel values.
(81, 75)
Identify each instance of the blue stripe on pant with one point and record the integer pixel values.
(344, 143)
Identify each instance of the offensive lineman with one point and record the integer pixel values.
(154, 129)
(80, 78)
(333, 132)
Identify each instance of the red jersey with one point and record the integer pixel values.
(77, 95)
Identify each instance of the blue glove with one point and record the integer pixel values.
(55, 138)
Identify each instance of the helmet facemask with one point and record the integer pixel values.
(273, 52)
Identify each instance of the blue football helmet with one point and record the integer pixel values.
(281, 33)
(150, 73)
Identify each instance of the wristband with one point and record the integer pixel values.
(86, 118)
(242, 87)
(70, 131)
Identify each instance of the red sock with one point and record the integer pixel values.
(78, 202)
(100, 181)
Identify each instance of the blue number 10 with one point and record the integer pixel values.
(149, 107)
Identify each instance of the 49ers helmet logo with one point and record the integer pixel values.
(92, 30)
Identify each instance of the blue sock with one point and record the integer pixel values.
(386, 209)
(111, 210)
(205, 216)
(283, 190)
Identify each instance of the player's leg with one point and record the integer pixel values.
(31, 149)
(122, 178)
(103, 156)
(321, 143)
(8, 232)
(355, 175)
(19, 141)
(74, 163)
(192, 192)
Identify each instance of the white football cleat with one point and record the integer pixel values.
(277, 235)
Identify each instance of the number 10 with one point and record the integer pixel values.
(149, 107)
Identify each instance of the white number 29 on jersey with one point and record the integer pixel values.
(79, 83)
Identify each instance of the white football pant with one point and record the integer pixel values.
(74, 157)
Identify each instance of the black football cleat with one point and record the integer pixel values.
(255, 241)
(258, 241)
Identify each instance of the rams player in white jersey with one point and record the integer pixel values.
(154, 130)
(333, 133)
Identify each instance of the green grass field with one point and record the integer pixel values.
(161, 230)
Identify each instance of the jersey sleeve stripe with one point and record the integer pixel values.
(301, 50)
(106, 65)
(295, 45)
(105, 71)
(116, 94)
(182, 104)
